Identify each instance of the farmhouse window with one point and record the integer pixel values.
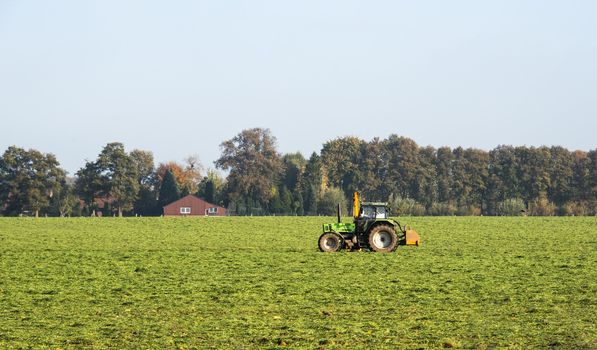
(212, 210)
(185, 210)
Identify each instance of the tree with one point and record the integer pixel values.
(254, 165)
(503, 182)
(210, 191)
(477, 167)
(581, 177)
(402, 170)
(89, 185)
(511, 207)
(374, 168)
(541, 206)
(286, 201)
(311, 184)
(28, 180)
(65, 201)
(293, 167)
(409, 206)
(460, 188)
(188, 176)
(113, 176)
(297, 204)
(342, 159)
(443, 170)
(311, 200)
(169, 191)
(561, 175)
(470, 173)
(192, 175)
(211, 187)
(592, 181)
(330, 200)
(143, 163)
(592, 155)
(121, 177)
(532, 171)
(426, 172)
(275, 205)
(146, 203)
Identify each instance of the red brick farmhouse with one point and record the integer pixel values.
(192, 206)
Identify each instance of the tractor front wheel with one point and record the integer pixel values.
(331, 242)
(383, 239)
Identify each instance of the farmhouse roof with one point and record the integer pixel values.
(194, 206)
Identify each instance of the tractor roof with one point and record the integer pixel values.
(374, 204)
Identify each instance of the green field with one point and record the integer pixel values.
(253, 282)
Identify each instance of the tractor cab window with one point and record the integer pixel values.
(367, 212)
(381, 213)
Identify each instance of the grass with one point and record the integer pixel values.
(476, 282)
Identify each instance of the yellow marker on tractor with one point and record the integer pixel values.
(371, 229)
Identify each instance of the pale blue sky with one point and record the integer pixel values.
(179, 77)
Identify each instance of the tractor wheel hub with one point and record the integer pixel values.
(382, 239)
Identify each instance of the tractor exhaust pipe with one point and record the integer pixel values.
(338, 212)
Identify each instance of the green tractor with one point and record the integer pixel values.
(371, 229)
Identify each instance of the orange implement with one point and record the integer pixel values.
(412, 238)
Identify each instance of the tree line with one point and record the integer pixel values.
(415, 180)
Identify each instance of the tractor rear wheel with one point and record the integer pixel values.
(383, 239)
(331, 242)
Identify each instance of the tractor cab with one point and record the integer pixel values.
(368, 214)
(373, 210)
